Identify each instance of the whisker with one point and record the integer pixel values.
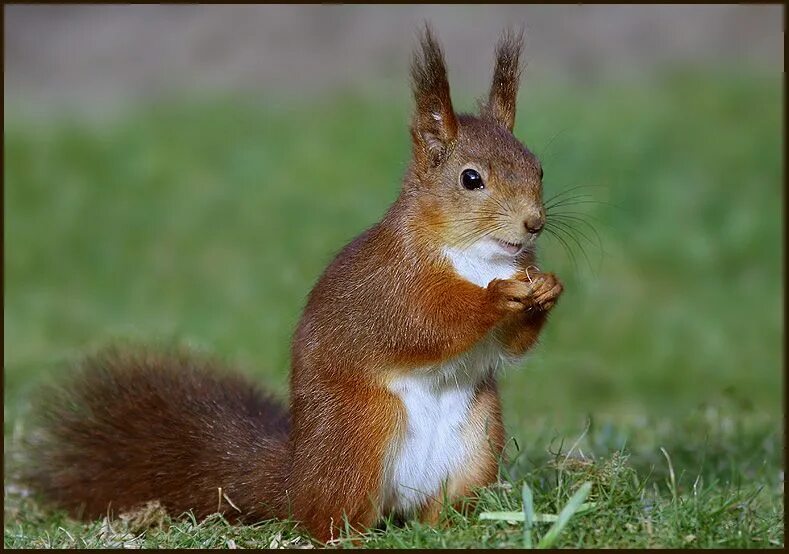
(567, 231)
(562, 201)
(597, 244)
(468, 239)
(569, 190)
(473, 219)
(507, 207)
(568, 218)
(564, 244)
(578, 215)
(562, 227)
(544, 151)
(575, 201)
(474, 235)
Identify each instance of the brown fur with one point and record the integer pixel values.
(339, 444)
(435, 124)
(506, 77)
(138, 427)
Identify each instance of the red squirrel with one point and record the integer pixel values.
(394, 405)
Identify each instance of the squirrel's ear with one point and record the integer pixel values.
(434, 126)
(506, 77)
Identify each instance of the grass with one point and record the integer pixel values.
(657, 379)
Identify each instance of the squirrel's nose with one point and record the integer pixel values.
(534, 224)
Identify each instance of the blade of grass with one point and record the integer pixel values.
(538, 518)
(528, 516)
(564, 516)
(672, 479)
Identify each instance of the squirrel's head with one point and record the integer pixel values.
(477, 184)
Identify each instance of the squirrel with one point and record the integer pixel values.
(394, 406)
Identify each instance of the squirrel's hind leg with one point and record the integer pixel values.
(341, 442)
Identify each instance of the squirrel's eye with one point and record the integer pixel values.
(542, 173)
(471, 180)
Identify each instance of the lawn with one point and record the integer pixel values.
(658, 379)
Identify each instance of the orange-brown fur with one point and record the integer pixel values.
(144, 426)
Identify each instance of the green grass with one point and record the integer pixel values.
(206, 223)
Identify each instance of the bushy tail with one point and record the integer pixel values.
(140, 426)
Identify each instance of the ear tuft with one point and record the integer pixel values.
(503, 95)
(434, 126)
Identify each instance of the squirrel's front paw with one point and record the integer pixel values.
(538, 290)
(545, 290)
(510, 295)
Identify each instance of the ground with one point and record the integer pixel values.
(658, 378)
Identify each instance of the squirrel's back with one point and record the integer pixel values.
(133, 427)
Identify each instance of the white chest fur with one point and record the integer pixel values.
(438, 400)
(433, 448)
(481, 263)
(437, 443)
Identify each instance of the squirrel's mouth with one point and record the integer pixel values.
(511, 248)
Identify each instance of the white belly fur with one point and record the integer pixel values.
(437, 401)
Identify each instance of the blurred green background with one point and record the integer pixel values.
(204, 215)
